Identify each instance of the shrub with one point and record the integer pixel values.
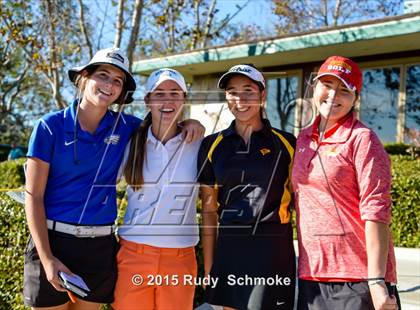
(405, 194)
(12, 174)
(4, 151)
(13, 234)
(396, 148)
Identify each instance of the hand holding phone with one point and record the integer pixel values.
(74, 284)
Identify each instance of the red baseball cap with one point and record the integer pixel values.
(345, 69)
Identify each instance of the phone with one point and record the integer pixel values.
(74, 283)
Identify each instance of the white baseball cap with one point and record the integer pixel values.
(166, 74)
(247, 70)
(111, 56)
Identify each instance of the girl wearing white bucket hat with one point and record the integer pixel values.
(73, 161)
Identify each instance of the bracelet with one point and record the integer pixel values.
(372, 279)
(376, 281)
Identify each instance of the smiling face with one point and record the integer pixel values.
(244, 99)
(166, 103)
(332, 98)
(103, 86)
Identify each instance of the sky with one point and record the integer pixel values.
(256, 10)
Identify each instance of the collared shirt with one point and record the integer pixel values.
(252, 179)
(315, 131)
(340, 182)
(163, 212)
(81, 187)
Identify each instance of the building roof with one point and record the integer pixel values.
(387, 35)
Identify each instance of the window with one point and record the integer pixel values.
(412, 105)
(379, 101)
(281, 102)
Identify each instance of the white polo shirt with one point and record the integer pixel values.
(163, 212)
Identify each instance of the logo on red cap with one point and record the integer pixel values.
(345, 69)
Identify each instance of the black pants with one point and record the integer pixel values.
(315, 295)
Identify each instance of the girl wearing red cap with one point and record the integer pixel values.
(70, 202)
(244, 173)
(341, 179)
(156, 261)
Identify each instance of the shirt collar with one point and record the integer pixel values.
(70, 116)
(151, 137)
(339, 132)
(266, 130)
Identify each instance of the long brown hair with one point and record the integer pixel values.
(133, 170)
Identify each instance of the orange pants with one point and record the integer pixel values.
(154, 278)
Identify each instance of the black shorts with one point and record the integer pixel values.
(94, 259)
(315, 295)
(254, 271)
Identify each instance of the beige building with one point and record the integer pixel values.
(388, 51)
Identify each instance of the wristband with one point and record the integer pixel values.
(374, 281)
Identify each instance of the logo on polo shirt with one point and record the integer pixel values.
(331, 152)
(265, 151)
(67, 143)
(112, 139)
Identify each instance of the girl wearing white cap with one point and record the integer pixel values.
(73, 160)
(244, 173)
(342, 177)
(156, 261)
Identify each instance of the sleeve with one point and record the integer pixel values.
(292, 140)
(373, 172)
(204, 166)
(41, 142)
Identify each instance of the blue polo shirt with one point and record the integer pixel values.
(81, 188)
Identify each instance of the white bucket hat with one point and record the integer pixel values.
(111, 56)
(246, 70)
(159, 76)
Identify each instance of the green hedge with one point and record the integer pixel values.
(396, 148)
(405, 192)
(13, 229)
(13, 234)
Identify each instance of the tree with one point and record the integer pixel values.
(184, 25)
(135, 27)
(45, 34)
(304, 15)
(21, 94)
